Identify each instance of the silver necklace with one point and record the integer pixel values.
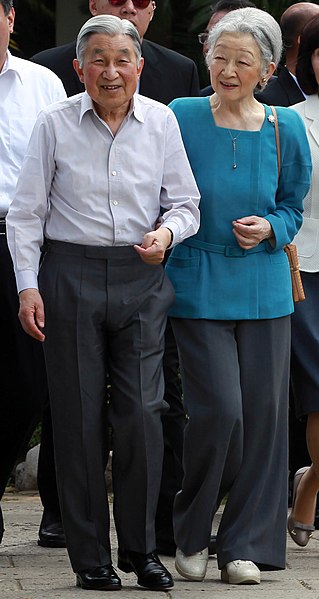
(234, 139)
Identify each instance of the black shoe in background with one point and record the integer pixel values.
(1, 525)
(51, 533)
(212, 545)
(316, 522)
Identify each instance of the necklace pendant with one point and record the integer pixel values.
(234, 166)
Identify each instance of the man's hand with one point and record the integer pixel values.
(251, 230)
(31, 313)
(154, 246)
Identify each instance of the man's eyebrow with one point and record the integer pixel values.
(125, 51)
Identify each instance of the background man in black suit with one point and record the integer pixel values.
(166, 75)
(285, 91)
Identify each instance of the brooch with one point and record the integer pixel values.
(271, 118)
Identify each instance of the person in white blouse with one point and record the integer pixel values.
(25, 89)
(101, 168)
(305, 322)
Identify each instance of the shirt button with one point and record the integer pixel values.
(115, 202)
(114, 173)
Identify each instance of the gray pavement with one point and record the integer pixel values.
(31, 572)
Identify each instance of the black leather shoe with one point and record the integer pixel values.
(150, 572)
(51, 535)
(212, 545)
(1, 525)
(102, 578)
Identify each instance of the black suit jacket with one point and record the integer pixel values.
(59, 60)
(206, 91)
(166, 74)
(281, 91)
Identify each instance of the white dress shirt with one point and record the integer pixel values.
(25, 88)
(83, 185)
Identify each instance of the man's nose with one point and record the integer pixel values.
(129, 7)
(109, 72)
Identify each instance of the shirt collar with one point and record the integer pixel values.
(135, 108)
(12, 64)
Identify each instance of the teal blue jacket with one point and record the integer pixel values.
(212, 276)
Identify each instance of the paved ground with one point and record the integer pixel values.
(31, 572)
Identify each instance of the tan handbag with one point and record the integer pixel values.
(298, 292)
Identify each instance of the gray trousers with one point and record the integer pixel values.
(235, 381)
(105, 309)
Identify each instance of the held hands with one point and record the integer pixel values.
(251, 230)
(154, 246)
(31, 313)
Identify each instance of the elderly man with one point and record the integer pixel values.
(166, 75)
(25, 89)
(101, 167)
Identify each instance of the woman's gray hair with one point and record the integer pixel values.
(259, 24)
(109, 25)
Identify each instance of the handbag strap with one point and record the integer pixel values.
(273, 110)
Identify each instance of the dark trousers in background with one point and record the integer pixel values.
(23, 390)
(174, 421)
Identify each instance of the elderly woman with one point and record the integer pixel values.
(305, 325)
(233, 303)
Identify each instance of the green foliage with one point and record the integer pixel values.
(36, 437)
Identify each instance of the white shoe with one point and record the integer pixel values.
(192, 567)
(240, 572)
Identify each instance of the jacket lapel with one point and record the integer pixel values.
(151, 78)
(311, 113)
(291, 88)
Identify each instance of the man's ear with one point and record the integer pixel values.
(92, 7)
(140, 68)
(78, 69)
(10, 17)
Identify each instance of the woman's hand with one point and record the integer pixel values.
(251, 230)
